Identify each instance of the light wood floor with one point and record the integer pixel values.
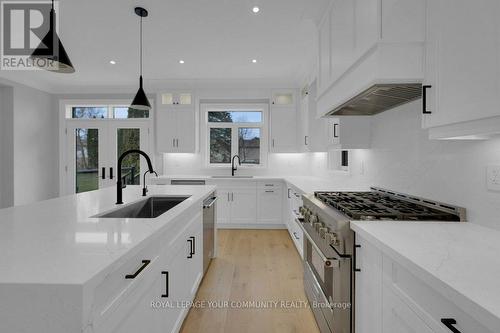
(252, 265)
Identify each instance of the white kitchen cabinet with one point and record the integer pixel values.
(269, 205)
(223, 206)
(324, 53)
(243, 206)
(368, 292)
(349, 132)
(176, 128)
(293, 197)
(462, 62)
(181, 98)
(283, 121)
(303, 126)
(390, 298)
(399, 317)
(194, 255)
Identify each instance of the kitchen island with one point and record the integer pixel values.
(64, 270)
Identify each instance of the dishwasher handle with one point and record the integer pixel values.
(209, 202)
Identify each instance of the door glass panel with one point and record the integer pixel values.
(129, 138)
(249, 145)
(220, 145)
(87, 159)
(124, 112)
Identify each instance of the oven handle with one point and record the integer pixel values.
(326, 261)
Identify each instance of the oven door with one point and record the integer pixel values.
(327, 282)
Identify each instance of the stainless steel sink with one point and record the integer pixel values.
(229, 177)
(149, 208)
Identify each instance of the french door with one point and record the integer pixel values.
(93, 148)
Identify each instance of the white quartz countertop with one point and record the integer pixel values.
(58, 242)
(307, 184)
(460, 260)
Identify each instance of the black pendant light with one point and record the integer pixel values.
(140, 101)
(50, 54)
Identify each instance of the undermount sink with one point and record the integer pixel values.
(231, 176)
(149, 208)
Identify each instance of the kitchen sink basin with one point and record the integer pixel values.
(149, 208)
(229, 177)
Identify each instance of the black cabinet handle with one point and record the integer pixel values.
(354, 262)
(193, 251)
(295, 234)
(289, 193)
(424, 100)
(133, 276)
(103, 172)
(305, 140)
(449, 322)
(192, 247)
(166, 284)
(335, 134)
(111, 173)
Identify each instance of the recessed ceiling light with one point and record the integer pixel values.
(112, 62)
(255, 9)
(254, 61)
(181, 61)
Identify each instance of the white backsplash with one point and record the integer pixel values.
(402, 158)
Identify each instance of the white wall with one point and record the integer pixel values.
(35, 146)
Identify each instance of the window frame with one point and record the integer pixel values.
(263, 126)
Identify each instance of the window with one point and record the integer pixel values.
(234, 130)
(104, 112)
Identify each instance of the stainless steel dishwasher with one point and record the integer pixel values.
(209, 206)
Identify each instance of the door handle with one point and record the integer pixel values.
(103, 172)
(111, 173)
(133, 276)
(424, 99)
(449, 322)
(166, 284)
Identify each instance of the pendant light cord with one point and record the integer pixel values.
(141, 48)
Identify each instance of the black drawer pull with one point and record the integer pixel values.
(289, 193)
(103, 172)
(424, 100)
(133, 276)
(449, 322)
(166, 284)
(111, 173)
(335, 134)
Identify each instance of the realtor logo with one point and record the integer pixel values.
(23, 26)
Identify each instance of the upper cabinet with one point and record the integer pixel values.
(462, 68)
(176, 123)
(177, 98)
(283, 121)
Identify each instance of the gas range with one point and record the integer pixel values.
(329, 243)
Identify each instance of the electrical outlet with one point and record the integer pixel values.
(493, 177)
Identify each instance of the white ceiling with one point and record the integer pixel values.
(216, 38)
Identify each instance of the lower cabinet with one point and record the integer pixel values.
(158, 293)
(389, 298)
(293, 197)
(249, 204)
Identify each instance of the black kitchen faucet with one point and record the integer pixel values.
(119, 184)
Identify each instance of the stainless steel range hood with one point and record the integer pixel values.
(378, 98)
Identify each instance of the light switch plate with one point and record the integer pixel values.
(493, 177)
